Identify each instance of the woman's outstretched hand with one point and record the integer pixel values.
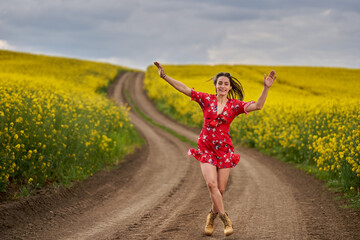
(181, 87)
(269, 80)
(160, 69)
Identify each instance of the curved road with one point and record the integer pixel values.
(159, 193)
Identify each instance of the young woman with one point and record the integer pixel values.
(215, 150)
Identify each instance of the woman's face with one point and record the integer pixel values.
(222, 86)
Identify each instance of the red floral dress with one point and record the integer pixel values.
(214, 143)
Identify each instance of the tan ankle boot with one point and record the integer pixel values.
(228, 227)
(210, 223)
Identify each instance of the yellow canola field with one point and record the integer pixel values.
(311, 115)
(54, 125)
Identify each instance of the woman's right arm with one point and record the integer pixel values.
(181, 87)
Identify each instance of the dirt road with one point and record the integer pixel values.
(159, 193)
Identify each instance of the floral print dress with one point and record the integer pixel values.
(214, 143)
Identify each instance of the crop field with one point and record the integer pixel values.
(311, 116)
(55, 126)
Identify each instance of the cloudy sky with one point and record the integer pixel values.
(134, 33)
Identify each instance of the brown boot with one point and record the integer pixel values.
(228, 227)
(210, 223)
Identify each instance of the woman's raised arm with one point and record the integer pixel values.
(268, 81)
(181, 87)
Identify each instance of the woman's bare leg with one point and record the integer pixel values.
(210, 174)
(222, 178)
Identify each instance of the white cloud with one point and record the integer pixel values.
(5, 45)
(326, 12)
(125, 62)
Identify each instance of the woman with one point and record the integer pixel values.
(215, 151)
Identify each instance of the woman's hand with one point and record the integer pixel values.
(269, 80)
(160, 69)
(181, 87)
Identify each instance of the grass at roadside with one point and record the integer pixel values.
(175, 134)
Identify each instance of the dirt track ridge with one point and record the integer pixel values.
(159, 193)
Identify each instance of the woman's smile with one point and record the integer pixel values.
(223, 85)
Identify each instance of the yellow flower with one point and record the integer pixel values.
(19, 120)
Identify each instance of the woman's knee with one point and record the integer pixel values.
(212, 185)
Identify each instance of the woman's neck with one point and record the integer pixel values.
(221, 99)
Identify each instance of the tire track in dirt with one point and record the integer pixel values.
(159, 193)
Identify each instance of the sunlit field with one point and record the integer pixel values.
(55, 126)
(311, 116)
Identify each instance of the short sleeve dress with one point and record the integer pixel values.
(214, 143)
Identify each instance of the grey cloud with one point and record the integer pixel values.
(202, 31)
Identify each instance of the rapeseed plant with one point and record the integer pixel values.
(54, 125)
(311, 116)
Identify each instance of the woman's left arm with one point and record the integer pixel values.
(268, 81)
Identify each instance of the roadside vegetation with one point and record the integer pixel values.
(55, 124)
